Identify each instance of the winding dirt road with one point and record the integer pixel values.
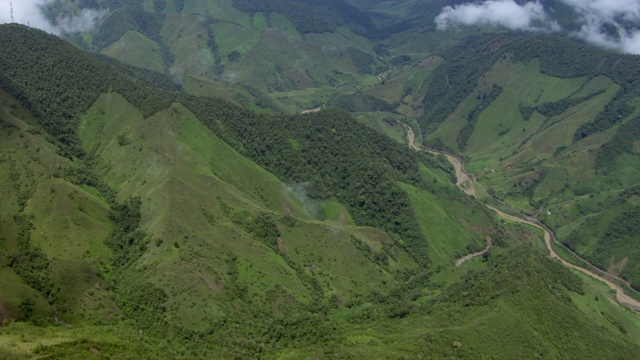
(465, 183)
(466, 258)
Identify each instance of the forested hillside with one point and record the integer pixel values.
(180, 204)
(227, 48)
(131, 163)
(545, 123)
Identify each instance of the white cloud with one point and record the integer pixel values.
(629, 9)
(503, 13)
(84, 21)
(616, 14)
(621, 17)
(29, 12)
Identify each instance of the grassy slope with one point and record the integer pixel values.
(519, 158)
(181, 169)
(68, 224)
(535, 164)
(186, 176)
(137, 50)
(319, 61)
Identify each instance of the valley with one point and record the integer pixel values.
(294, 179)
(466, 185)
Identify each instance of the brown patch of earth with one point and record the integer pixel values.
(4, 314)
(286, 208)
(219, 288)
(281, 245)
(496, 45)
(509, 168)
(431, 61)
(476, 228)
(94, 351)
(343, 217)
(616, 268)
(530, 179)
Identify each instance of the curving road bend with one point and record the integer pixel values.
(465, 183)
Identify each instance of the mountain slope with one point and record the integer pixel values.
(158, 224)
(203, 43)
(546, 124)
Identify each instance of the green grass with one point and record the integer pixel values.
(448, 238)
(335, 211)
(137, 50)
(323, 287)
(388, 124)
(171, 157)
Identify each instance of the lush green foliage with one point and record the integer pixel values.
(454, 80)
(555, 108)
(56, 104)
(306, 18)
(622, 142)
(618, 242)
(324, 151)
(514, 303)
(311, 16)
(472, 118)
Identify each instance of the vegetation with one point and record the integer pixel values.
(175, 226)
(622, 142)
(472, 118)
(323, 150)
(453, 81)
(310, 16)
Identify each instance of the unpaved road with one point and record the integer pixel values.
(465, 183)
(466, 258)
(620, 295)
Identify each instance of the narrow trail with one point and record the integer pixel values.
(466, 258)
(465, 183)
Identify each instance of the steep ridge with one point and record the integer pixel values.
(199, 249)
(162, 194)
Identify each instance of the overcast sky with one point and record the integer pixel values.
(28, 12)
(592, 15)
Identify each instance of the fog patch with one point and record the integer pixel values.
(500, 13)
(31, 13)
(300, 193)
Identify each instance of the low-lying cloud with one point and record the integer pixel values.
(505, 13)
(30, 12)
(614, 24)
(609, 23)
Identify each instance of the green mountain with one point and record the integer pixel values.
(546, 125)
(218, 48)
(173, 207)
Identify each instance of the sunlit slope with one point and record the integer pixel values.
(537, 164)
(52, 228)
(192, 227)
(135, 49)
(198, 196)
(545, 124)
